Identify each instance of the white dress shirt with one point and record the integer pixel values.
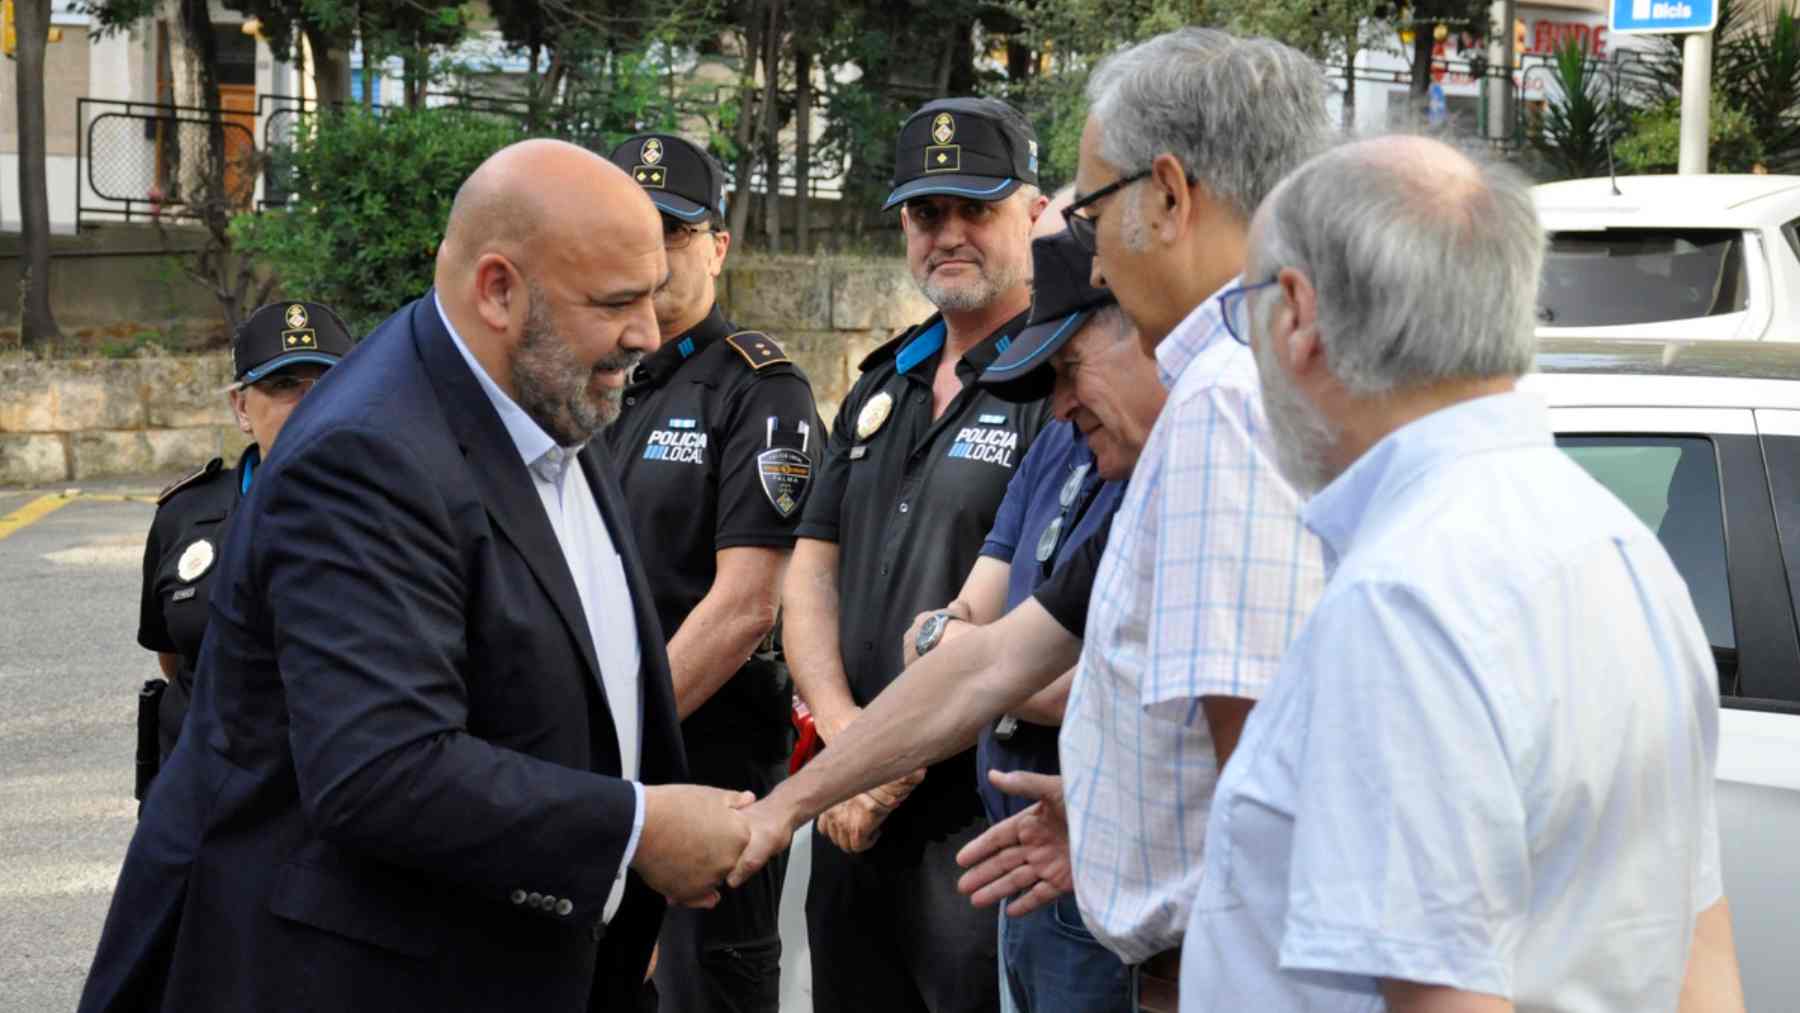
(599, 575)
(1488, 760)
(1206, 579)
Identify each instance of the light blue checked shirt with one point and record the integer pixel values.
(1207, 576)
(1488, 760)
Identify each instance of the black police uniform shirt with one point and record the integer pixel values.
(716, 447)
(909, 501)
(179, 562)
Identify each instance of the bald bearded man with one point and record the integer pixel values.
(430, 755)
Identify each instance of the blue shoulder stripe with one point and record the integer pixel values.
(920, 348)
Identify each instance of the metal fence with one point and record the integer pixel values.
(147, 161)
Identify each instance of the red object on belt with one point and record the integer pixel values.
(809, 744)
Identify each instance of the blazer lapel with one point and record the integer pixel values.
(500, 476)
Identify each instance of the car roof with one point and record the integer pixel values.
(1668, 373)
(1742, 201)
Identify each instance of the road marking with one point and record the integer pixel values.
(32, 512)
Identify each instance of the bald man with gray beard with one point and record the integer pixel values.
(432, 754)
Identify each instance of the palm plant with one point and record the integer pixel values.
(1574, 134)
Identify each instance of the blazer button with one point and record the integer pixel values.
(563, 907)
(549, 902)
(535, 900)
(518, 896)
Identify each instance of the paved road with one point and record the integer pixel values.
(69, 666)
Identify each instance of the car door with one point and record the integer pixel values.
(1698, 478)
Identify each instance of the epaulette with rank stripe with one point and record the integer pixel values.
(204, 471)
(757, 348)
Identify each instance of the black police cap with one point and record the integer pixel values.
(979, 148)
(283, 334)
(680, 177)
(1062, 300)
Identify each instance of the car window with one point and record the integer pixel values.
(1618, 277)
(1792, 231)
(1672, 484)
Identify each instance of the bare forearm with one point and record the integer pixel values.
(1046, 707)
(712, 644)
(1712, 984)
(936, 708)
(809, 635)
(169, 662)
(930, 712)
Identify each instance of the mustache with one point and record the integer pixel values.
(626, 360)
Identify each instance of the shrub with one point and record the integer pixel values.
(371, 194)
(1653, 144)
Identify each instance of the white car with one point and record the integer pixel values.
(1702, 440)
(1705, 257)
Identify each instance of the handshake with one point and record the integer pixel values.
(697, 839)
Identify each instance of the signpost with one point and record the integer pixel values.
(1696, 19)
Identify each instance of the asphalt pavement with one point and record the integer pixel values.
(70, 666)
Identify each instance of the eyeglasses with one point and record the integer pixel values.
(1058, 528)
(677, 235)
(284, 386)
(924, 217)
(1085, 227)
(1234, 307)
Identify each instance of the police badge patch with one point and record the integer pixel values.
(195, 560)
(785, 474)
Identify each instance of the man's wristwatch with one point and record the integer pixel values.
(932, 632)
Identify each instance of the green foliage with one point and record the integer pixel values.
(1762, 78)
(1067, 38)
(372, 196)
(1572, 135)
(1653, 144)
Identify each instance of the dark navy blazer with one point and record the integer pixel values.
(398, 786)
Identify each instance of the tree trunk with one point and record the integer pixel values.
(368, 69)
(770, 131)
(803, 99)
(37, 323)
(1348, 116)
(330, 66)
(743, 135)
(1420, 88)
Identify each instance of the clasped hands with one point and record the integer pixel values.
(694, 838)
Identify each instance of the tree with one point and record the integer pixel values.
(1332, 31)
(37, 322)
(400, 168)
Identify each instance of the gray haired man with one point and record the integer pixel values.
(1207, 572)
(1484, 775)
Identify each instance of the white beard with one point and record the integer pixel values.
(1302, 436)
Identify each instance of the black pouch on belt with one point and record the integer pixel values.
(149, 749)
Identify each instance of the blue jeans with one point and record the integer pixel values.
(1054, 965)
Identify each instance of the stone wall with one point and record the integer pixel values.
(91, 418)
(828, 313)
(75, 419)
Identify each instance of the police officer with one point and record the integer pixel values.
(278, 354)
(917, 465)
(715, 449)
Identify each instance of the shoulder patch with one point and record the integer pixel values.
(204, 471)
(757, 348)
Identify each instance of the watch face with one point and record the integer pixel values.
(931, 632)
